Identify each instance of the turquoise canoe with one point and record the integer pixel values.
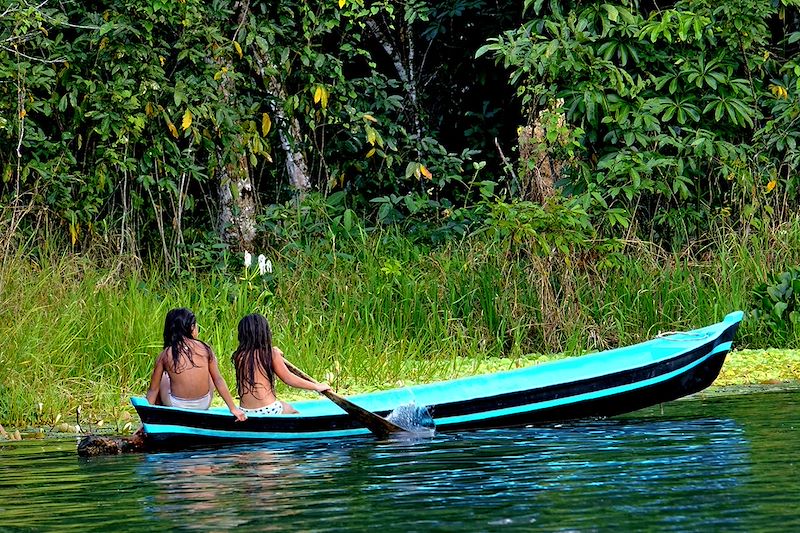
(596, 385)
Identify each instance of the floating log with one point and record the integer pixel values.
(94, 445)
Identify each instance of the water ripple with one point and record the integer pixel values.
(674, 471)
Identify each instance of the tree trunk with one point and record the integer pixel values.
(296, 166)
(404, 62)
(404, 66)
(237, 202)
(539, 168)
(237, 205)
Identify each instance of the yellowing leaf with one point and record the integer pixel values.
(370, 118)
(425, 172)
(771, 185)
(73, 233)
(371, 153)
(323, 99)
(342, 3)
(238, 48)
(187, 120)
(22, 113)
(172, 129)
(148, 109)
(778, 90)
(321, 96)
(266, 124)
(221, 72)
(371, 136)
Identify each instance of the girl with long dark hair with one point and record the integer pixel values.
(186, 371)
(257, 362)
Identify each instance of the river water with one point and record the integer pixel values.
(729, 462)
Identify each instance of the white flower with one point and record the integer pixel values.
(248, 259)
(262, 264)
(269, 266)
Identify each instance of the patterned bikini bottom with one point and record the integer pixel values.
(275, 408)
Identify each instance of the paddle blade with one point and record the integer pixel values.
(379, 426)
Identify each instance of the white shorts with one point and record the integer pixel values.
(275, 408)
(202, 403)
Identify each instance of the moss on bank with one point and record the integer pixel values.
(760, 367)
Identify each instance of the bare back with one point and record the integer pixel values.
(190, 379)
(262, 393)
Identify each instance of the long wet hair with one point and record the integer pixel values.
(177, 329)
(254, 353)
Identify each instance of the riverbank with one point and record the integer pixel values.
(379, 311)
(744, 371)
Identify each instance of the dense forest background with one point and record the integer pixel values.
(178, 130)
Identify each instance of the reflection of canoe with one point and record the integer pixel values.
(600, 384)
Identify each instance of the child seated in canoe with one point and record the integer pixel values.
(186, 371)
(257, 363)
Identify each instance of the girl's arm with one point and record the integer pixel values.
(222, 388)
(283, 372)
(155, 380)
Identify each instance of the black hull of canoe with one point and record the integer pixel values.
(671, 389)
(619, 404)
(606, 395)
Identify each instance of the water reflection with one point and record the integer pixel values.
(733, 471)
(189, 492)
(246, 485)
(553, 476)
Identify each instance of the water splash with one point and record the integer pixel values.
(413, 418)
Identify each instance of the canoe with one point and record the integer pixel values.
(601, 384)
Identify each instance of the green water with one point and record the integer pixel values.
(712, 463)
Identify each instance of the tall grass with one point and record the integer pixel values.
(373, 312)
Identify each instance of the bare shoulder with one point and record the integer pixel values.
(200, 348)
(163, 358)
(276, 352)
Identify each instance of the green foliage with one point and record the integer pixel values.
(126, 113)
(544, 229)
(123, 119)
(777, 304)
(687, 114)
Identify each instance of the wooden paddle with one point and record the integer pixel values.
(378, 425)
